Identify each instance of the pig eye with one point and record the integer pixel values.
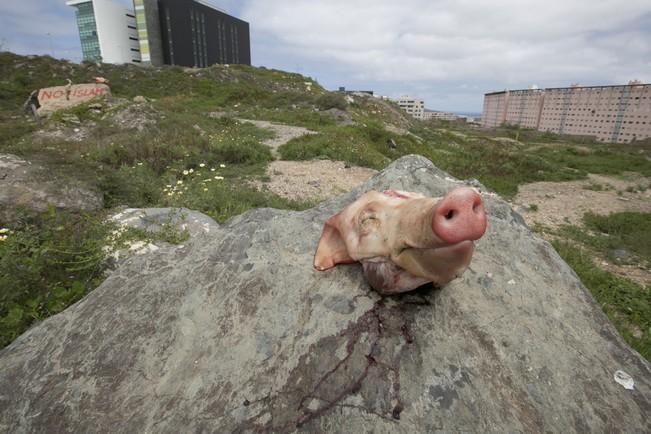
(368, 220)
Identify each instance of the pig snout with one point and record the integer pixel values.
(459, 216)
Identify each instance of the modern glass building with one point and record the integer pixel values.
(107, 31)
(190, 33)
(88, 32)
(156, 32)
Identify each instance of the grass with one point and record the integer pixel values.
(626, 303)
(629, 231)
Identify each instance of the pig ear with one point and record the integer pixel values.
(332, 248)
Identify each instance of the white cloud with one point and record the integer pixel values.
(421, 43)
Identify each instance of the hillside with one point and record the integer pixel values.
(175, 137)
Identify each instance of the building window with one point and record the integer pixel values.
(170, 42)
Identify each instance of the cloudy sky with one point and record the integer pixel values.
(448, 52)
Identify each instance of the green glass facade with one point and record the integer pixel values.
(143, 34)
(88, 32)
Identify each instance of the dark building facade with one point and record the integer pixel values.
(190, 33)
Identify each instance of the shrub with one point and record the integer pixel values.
(331, 100)
(46, 263)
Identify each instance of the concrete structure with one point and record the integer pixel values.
(107, 31)
(350, 92)
(618, 114)
(444, 116)
(191, 33)
(412, 105)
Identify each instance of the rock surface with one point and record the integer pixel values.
(234, 332)
(28, 185)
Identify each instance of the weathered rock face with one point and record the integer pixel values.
(28, 185)
(234, 332)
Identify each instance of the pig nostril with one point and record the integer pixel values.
(449, 215)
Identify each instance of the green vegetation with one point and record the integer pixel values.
(46, 263)
(498, 163)
(629, 231)
(623, 238)
(627, 304)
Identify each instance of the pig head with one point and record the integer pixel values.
(403, 239)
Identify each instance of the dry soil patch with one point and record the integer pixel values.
(559, 203)
(314, 180)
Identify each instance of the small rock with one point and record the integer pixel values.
(71, 119)
(139, 99)
(621, 256)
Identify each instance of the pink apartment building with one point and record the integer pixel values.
(618, 114)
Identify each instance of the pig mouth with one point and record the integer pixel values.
(441, 264)
(460, 247)
(414, 267)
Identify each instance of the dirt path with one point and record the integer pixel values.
(284, 133)
(555, 203)
(314, 180)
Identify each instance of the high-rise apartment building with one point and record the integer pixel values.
(413, 106)
(618, 114)
(107, 31)
(175, 32)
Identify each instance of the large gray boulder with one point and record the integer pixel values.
(234, 332)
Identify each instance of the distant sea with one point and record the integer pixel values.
(469, 114)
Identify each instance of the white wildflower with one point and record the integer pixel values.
(222, 165)
(185, 172)
(3, 237)
(179, 182)
(219, 178)
(139, 164)
(191, 170)
(213, 169)
(4, 230)
(205, 189)
(202, 165)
